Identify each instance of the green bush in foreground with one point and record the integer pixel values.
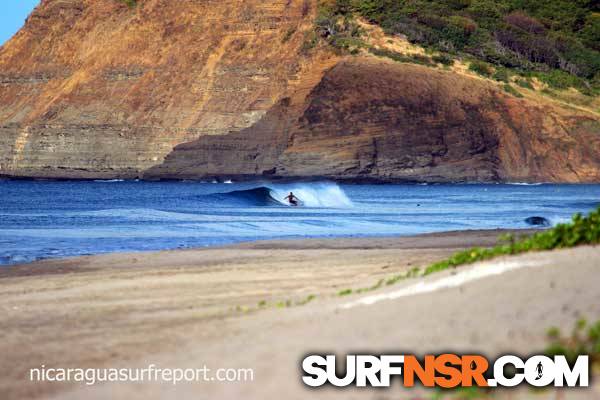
(584, 340)
(582, 230)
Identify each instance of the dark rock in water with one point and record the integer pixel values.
(538, 221)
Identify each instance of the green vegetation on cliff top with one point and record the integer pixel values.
(556, 41)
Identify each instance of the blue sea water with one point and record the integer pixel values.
(44, 219)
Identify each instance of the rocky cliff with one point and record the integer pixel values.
(376, 119)
(95, 89)
(193, 89)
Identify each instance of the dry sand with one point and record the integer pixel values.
(186, 309)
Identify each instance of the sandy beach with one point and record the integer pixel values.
(265, 305)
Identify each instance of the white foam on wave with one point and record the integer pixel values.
(555, 220)
(328, 195)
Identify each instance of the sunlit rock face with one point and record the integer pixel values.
(93, 88)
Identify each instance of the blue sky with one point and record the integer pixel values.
(12, 16)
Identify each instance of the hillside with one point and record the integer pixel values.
(555, 41)
(295, 88)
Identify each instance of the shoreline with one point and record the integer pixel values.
(284, 180)
(449, 239)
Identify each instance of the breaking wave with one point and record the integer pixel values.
(325, 195)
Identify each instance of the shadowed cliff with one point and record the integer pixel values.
(376, 119)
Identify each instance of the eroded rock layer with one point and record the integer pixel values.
(92, 88)
(375, 119)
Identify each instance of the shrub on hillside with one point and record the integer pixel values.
(524, 83)
(130, 3)
(501, 75)
(511, 90)
(443, 59)
(519, 19)
(481, 68)
(590, 33)
(559, 79)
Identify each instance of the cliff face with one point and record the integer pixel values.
(375, 119)
(189, 89)
(91, 88)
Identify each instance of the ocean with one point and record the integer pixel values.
(48, 219)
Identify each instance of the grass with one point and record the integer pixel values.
(443, 59)
(524, 83)
(561, 80)
(311, 39)
(511, 90)
(481, 68)
(392, 55)
(580, 231)
(130, 3)
(263, 304)
(307, 300)
(583, 340)
(284, 304)
(288, 34)
(501, 75)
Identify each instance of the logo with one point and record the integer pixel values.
(447, 371)
(540, 371)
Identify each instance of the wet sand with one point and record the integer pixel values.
(243, 306)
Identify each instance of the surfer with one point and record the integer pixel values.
(292, 199)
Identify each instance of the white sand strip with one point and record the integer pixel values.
(478, 272)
